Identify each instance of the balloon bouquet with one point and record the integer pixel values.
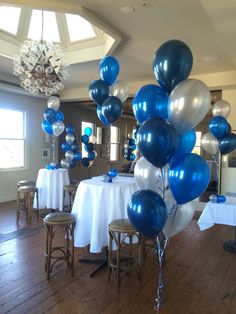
(89, 141)
(168, 174)
(53, 125)
(71, 149)
(219, 140)
(129, 148)
(108, 93)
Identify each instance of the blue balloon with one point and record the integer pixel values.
(88, 131)
(147, 212)
(74, 147)
(65, 146)
(150, 101)
(101, 116)
(59, 116)
(220, 198)
(113, 172)
(131, 141)
(132, 157)
(98, 91)
(85, 161)
(229, 128)
(157, 141)
(47, 127)
(91, 156)
(85, 139)
(109, 69)
(219, 127)
(70, 129)
(50, 115)
(186, 143)
(90, 147)
(112, 108)
(227, 144)
(73, 163)
(189, 176)
(172, 63)
(77, 156)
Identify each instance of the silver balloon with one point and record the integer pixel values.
(53, 102)
(69, 155)
(178, 218)
(189, 102)
(221, 108)
(58, 127)
(120, 90)
(148, 176)
(93, 139)
(65, 164)
(210, 144)
(70, 138)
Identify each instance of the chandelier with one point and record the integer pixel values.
(41, 66)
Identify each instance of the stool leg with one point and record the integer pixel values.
(17, 206)
(109, 254)
(67, 228)
(37, 199)
(46, 247)
(72, 248)
(49, 251)
(118, 262)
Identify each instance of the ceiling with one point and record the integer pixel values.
(208, 27)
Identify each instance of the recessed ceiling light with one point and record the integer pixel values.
(210, 58)
(127, 10)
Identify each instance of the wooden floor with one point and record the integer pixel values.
(199, 276)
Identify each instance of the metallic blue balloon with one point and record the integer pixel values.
(85, 139)
(98, 91)
(59, 116)
(113, 172)
(220, 198)
(85, 161)
(172, 63)
(189, 176)
(147, 212)
(157, 141)
(65, 146)
(109, 69)
(219, 127)
(150, 102)
(101, 116)
(50, 115)
(88, 131)
(47, 127)
(73, 163)
(74, 147)
(229, 128)
(227, 144)
(77, 156)
(186, 143)
(112, 108)
(70, 128)
(90, 147)
(91, 156)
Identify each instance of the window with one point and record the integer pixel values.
(197, 147)
(83, 126)
(9, 19)
(79, 28)
(114, 143)
(12, 139)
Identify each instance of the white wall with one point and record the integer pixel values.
(34, 108)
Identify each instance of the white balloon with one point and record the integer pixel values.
(221, 108)
(70, 138)
(93, 139)
(189, 102)
(120, 90)
(210, 144)
(58, 127)
(178, 218)
(53, 102)
(148, 176)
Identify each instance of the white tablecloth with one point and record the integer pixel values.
(50, 184)
(96, 204)
(218, 213)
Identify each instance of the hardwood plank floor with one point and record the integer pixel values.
(199, 276)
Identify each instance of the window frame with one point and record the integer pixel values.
(24, 139)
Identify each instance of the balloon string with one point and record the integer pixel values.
(175, 207)
(108, 147)
(161, 243)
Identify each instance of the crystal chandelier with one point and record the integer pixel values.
(41, 66)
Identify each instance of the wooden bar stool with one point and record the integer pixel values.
(53, 222)
(127, 262)
(24, 201)
(71, 190)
